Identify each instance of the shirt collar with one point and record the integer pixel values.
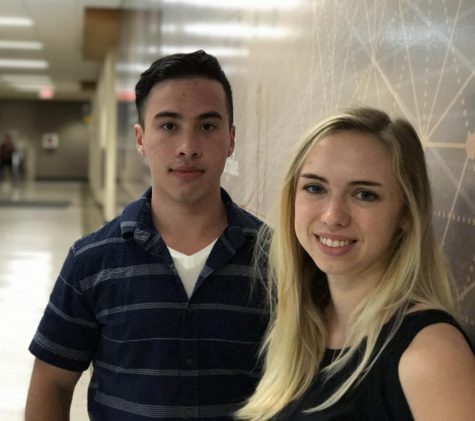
(136, 222)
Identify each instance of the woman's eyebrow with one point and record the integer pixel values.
(367, 183)
(311, 176)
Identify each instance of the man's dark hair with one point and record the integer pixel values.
(181, 66)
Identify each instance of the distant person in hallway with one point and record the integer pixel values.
(364, 325)
(160, 300)
(7, 150)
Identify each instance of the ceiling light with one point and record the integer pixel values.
(234, 30)
(31, 87)
(23, 64)
(15, 21)
(238, 4)
(21, 45)
(222, 52)
(132, 67)
(169, 28)
(15, 78)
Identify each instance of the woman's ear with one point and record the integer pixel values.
(405, 223)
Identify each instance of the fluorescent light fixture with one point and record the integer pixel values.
(21, 45)
(169, 28)
(238, 4)
(234, 30)
(23, 64)
(222, 52)
(15, 21)
(132, 67)
(27, 83)
(15, 78)
(30, 87)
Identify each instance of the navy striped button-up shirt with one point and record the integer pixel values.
(120, 304)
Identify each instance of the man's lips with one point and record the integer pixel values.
(187, 169)
(186, 172)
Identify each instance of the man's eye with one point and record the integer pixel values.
(366, 196)
(208, 127)
(167, 126)
(313, 188)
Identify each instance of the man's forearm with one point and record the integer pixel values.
(50, 393)
(48, 405)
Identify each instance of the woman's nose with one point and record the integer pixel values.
(335, 213)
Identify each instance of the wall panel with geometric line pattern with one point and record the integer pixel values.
(292, 62)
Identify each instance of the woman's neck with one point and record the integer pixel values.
(345, 297)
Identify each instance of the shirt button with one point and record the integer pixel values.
(189, 361)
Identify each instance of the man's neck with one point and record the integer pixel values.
(189, 227)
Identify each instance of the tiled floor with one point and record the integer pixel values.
(38, 223)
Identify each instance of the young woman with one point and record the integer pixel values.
(364, 318)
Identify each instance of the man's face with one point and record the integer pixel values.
(186, 139)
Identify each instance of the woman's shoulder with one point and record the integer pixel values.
(437, 334)
(420, 325)
(438, 338)
(437, 372)
(421, 316)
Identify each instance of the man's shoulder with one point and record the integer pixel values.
(239, 215)
(114, 231)
(248, 220)
(102, 236)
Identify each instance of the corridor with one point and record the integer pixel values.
(38, 223)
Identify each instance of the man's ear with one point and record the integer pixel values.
(138, 132)
(232, 136)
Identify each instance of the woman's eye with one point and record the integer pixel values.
(313, 188)
(366, 196)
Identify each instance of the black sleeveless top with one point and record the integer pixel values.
(379, 396)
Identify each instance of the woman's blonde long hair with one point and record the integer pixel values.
(298, 291)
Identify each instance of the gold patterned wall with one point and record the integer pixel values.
(291, 62)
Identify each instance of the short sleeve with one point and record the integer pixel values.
(68, 332)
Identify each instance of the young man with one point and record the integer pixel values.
(160, 299)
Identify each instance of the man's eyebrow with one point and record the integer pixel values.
(166, 114)
(211, 114)
(204, 116)
(366, 183)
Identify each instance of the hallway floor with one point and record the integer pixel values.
(38, 223)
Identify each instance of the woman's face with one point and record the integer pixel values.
(348, 206)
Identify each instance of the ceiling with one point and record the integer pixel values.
(68, 52)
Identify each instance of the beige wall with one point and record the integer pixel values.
(291, 62)
(29, 120)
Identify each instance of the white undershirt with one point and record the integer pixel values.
(190, 267)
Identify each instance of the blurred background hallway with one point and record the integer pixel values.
(52, 215)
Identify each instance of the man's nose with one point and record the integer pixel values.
(189, 144)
